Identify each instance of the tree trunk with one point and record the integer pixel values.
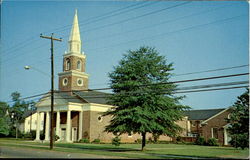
(143, 144)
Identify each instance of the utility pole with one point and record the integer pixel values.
(52, 87)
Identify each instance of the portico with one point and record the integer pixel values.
(68, 118)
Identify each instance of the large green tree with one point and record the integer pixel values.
(239, 120)
(143, 96)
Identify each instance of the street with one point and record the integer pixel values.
(16, 152)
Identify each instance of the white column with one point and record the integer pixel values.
(68, 127)
(225, 136)
(38, 127)
(58, 124)
(47, 124)
(80, 126)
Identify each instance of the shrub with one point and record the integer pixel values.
(96, 141)
(116, 141)
(138, 141)
(156, 137)
(150, 140)
(56, 137)
(33, 134)
(26, 135)
(84, 140)
(42, 136)
(212, 142)
(178, 139)
(86, 135)
(200, 140)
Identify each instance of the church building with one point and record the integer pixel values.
(77, 109)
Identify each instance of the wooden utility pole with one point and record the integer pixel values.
(52, 87)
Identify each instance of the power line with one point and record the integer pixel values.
(181, 81)
(212, 70)
(172, 32)
(126, 95)
(68, 26)
(133, 18)
(25, 43)
(102, 17)
(199, 79)
(194, 87)
(213, 89)
(161, 23)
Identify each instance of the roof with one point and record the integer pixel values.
(202, 114)
(93, 96)
(28, 113)
(67, 96)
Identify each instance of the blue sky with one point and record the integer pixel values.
(195, 36)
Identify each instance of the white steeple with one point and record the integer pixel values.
(74, 38)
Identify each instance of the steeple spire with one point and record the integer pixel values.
(74, 39)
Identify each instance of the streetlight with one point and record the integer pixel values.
(38, 70)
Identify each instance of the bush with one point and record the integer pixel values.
(96, 141)
(42, 136)
(56, 137)
(84, 140)
(240, 140)
(138, 140)
(200, 140)
(150, 140)
(178, 139)
(212, 142)
(116, 141)
(33, 134)
(26, 135)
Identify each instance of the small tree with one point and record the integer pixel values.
(116, 141)
(17, 110)
(4, 119)
(143, 96)
(239, 120)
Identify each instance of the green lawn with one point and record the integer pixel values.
(153, 151)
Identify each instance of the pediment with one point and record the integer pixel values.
(46, 101)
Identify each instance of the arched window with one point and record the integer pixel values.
(79, 65)
(67, 64)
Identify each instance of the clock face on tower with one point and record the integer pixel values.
(79, 82)
(65, 81)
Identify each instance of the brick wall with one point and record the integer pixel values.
(217, 122)
(73, 62)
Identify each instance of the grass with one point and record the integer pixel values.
(153, 151)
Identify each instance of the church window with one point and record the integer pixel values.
(65, 81)
(79, 65)
(68, 64)
(99, 118)
(79, 82)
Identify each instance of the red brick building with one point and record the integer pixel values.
(209, 123)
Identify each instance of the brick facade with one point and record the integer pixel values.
(73, 63)
(217, 123)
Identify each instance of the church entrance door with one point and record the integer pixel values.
(74, 134)
(63, 134)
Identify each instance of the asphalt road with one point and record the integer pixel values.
(17, 152)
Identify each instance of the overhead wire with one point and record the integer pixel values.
(182, 81)
(26, 43)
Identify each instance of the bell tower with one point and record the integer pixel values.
(73, 76)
